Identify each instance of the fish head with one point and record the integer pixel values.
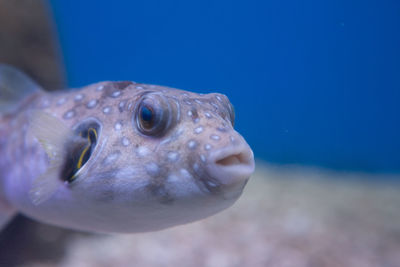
(162, 157)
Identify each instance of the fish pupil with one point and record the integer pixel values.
(147, 114)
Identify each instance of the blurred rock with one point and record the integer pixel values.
(27, 41)
(26, 242)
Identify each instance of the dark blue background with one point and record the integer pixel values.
(313, 82)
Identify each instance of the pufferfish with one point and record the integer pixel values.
(117, 156)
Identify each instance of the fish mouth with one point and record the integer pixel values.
(231, 165)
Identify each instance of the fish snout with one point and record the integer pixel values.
(231, 166)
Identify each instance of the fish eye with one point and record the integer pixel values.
(153, 115)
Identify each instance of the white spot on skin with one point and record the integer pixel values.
(190, 113)
(172, 178)
(185, 174)
(198, 101)
(121, 105)
(211, 183)
(196, 167)
(222, 129)
(69, 114)
(116, 94)
(142, 151)
(219, 98)
(152, 169)
(92, 103)
(208, 115)
(126, 172)
(192, 144)
(125, 141)
(45, 103)
(207, 146)
(215, 137)
(139, 87)
(112, 158)
(100, 88)
(215, 105)
(232, 139)
(203, 158)
(165, 141)
(78, 97)
(107, 110)
(179, 132)
(118, 126)
(173, 156)
(188, 102)
(61, 101)
(198, 129)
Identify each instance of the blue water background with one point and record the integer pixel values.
(312, 82)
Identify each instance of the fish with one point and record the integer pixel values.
(117, 156)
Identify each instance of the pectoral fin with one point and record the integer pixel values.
(45, 185)
(53, 135)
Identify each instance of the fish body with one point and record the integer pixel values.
(118, 156)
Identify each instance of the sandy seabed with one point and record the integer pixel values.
(287, 216)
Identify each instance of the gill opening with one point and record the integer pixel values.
(79, 150)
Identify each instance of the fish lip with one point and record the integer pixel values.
(228, 174)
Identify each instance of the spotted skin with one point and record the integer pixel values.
(132, 182)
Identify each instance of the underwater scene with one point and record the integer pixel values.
(200, 133)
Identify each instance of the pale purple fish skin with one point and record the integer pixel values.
(200, 126)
